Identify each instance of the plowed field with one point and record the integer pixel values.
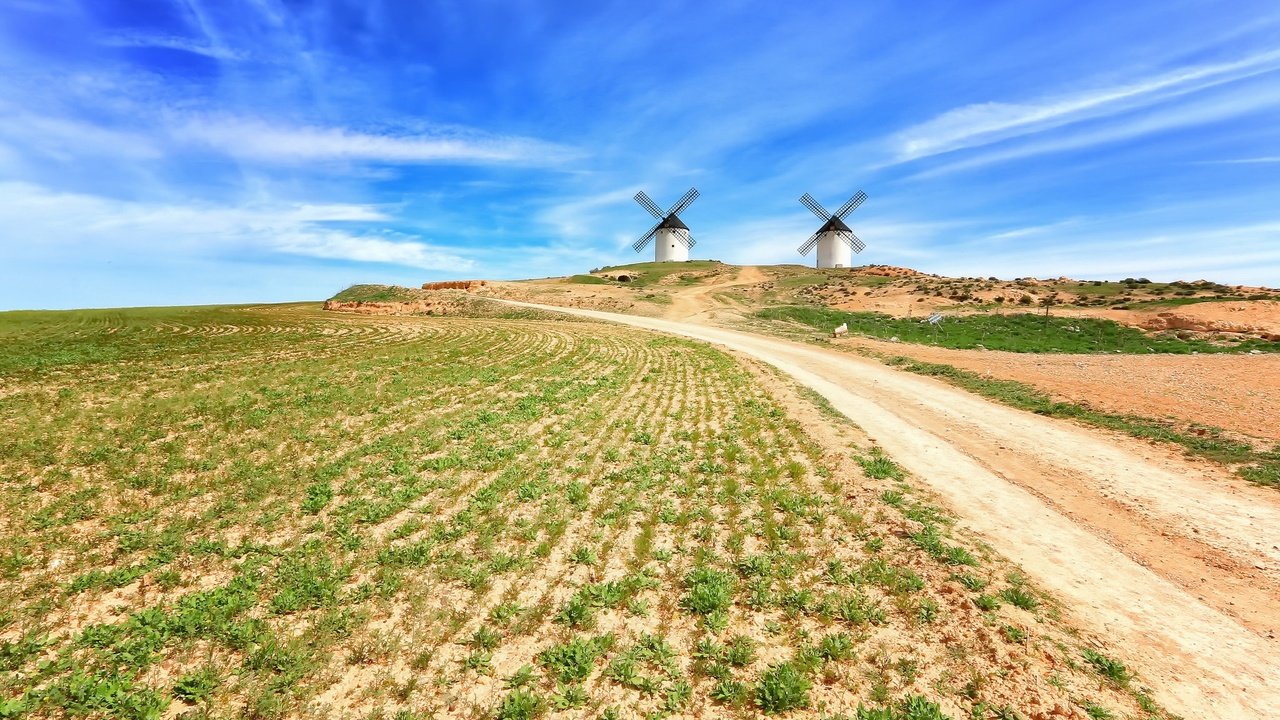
(274, 512)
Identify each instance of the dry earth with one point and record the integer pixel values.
(1176, 561)
(443, 545)
(1236, 392)
(904, 297)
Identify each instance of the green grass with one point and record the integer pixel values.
(220, 511)
(1260, 467)
(1111, 669)
(586, 280)
(1023, 332)
(783, 687)
(653, 273)
(377, 293)
(37, 341)
(1180, 301)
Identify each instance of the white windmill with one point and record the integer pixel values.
(835, 241)
(671, 237)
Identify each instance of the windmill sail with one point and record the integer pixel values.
(834, 234)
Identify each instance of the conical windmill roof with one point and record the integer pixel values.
(835, 224)
(671, 222)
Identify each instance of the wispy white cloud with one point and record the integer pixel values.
(88, 225)
(1032, 231)
(1265, 160)
(577, 217)
(1228, 106)
(1119, 247)
(335, 245)
(258, 140)
(67, 139)
(985, 123)
(173, 42)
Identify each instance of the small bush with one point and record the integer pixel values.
(836, 646)
(520, 705)
(572, 662)
(710, 591)
(1113, 670)
(880, 467)
(1020, 598)
(197, 686)
(986, 602)
(782, 688)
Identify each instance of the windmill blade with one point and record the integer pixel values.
(645, 238)
(856, 243)
(648, 204)
(808, 244)
(683, 202)
(852, 205)
(853, 242)
(685, 238)
(688, 239)
(816, 207)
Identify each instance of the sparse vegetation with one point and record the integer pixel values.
(654, 273)
(377, 293)
(1113, 670)
(1260, 467)
(1023, 332)
(221, 511)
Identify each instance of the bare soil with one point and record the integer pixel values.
(1175, 560)
(1235, 392)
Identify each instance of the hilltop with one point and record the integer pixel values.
(1159, 360)
(1200, 309)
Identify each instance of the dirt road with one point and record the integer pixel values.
(1177, 563)
(692, 303)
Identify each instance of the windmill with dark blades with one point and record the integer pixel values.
(671, 236)
(836, 243)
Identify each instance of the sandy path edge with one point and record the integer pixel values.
(1199, 661)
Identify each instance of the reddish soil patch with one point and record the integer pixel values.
(1235, 392)
(467, 285)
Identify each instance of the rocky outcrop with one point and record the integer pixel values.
(1177, 321)
(468, 285)
(416, 307)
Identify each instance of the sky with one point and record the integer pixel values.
(159, 152)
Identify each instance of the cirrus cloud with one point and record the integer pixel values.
(262, 141)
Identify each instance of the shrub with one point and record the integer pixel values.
(1018, 597)
(710, 591)
(572, 661)
(1113, 670)
(520, 705)
(782, 688)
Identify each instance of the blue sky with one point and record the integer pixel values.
(198, 151)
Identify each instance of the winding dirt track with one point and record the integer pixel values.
(1177, 563)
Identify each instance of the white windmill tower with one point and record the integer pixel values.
(671, 237)
(835, 241)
